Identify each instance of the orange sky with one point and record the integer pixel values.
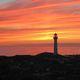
(35, 21)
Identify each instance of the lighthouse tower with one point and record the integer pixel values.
(55, 44)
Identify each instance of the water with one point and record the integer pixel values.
(64, 49)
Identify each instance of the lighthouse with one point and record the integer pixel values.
(55, 44)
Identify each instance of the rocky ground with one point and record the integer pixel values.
(45, 66)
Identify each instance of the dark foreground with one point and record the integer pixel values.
(40, 67)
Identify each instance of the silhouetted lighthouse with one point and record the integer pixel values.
(55, 44)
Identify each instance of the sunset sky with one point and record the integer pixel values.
(35, 21)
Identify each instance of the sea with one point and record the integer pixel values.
(34, 49)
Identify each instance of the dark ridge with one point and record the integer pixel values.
(44, 66)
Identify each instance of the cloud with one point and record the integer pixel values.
(60, 6)
(35, 0)
(23, 18)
